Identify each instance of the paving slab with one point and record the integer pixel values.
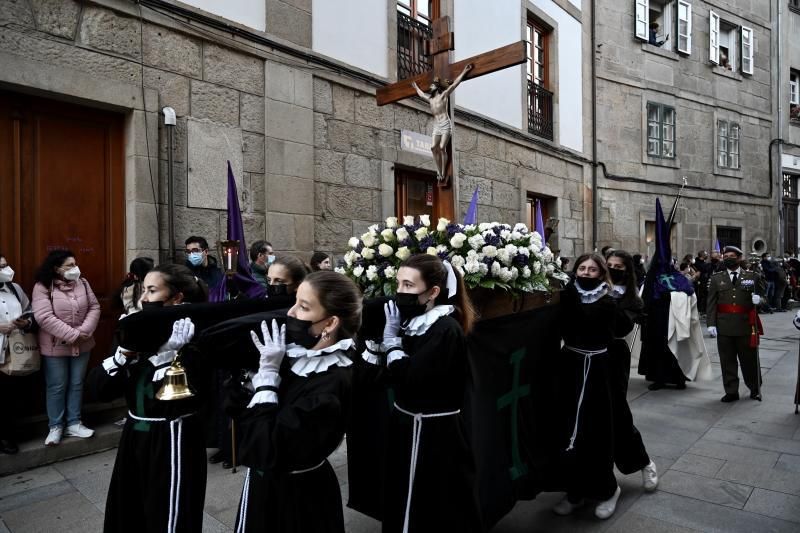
(636, 523)
(34, 495)
(66, 513)
(776, 504)
(699, 465)
(788, 462)
(762, 477)
(29, 480)
(729, 452)
(758, 442)
(757, 427)
(707, 489)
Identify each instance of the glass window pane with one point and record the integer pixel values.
(652, 112)
(669, 149)
(723, 159)
(669, 133)
(653, 129)
(423, 8)
(734, 131)
(669, 116)
(723, 128)
(652, 147)
(734, 161)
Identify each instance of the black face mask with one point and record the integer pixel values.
(588, 284)
(152, 305)
(731, 263)
(408, 305)
(277, 290)
(299, 332)
(619, 277)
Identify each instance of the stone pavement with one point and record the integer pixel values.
(724, 467)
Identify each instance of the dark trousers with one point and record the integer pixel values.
(630, 454)
(733, 351)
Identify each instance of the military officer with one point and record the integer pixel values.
(733, 295)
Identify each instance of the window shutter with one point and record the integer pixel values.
(713, 37)
(747, 50)
(684, 27)
(642, 19)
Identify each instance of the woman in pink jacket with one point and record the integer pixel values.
(67, 312)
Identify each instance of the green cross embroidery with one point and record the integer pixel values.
(666, 279)
(511, 398)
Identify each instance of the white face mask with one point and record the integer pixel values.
(6, 274)
(72, 274)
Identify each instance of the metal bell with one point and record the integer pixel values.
(176, 384)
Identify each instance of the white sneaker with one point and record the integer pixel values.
(650, 477)
(78, 430)
(54, 437)
(606, 509)
(565, 507)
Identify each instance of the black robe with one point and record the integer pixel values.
(630, 454)
(656, 361)
(160, 471)
(290, 485)
(587, 470)
(432, 379)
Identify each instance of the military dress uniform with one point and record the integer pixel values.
(730, 309)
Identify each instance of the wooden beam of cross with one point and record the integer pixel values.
(439, 47)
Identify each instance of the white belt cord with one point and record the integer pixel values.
(587, 366)
(175, 440)
(416, 436)
(243, 504)
(304, 470)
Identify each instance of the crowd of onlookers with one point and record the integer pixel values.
(64, 312)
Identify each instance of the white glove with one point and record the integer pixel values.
(182, 333)
(272, 351)
(712, 330)
(756, 299)
(392, 328)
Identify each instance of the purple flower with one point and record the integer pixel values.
(426, 243)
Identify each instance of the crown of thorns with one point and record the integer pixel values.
(442, 84)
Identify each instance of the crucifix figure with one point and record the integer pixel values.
(440, 109)
(439, 47)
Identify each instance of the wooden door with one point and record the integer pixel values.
(416, 193)
(62, 186)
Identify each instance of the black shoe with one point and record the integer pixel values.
(755, 396)
(227, 464)
(8, 446)
(656, 386)
(729, 398)
(218, 458)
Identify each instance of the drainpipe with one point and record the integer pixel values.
(594, 133)
(170, 122)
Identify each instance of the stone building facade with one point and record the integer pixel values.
(730, 194)
(788, 120)
(314, 158)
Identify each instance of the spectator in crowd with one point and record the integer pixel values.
(130, 293)
(261, 257)
(638, 269)
(705, 269)
(654, 35)
(769, 274)
(202, 265)
(778, 302)
(15, 313)
(67, 312)
(321, 261)
(605, 250)
(716, 262)
(285, 275)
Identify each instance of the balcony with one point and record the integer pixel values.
(411, 37)
(540, 111)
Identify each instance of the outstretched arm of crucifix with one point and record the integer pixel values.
(419, 91)
(458, 80)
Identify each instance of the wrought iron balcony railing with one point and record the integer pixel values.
(411, 36)
(540, 111)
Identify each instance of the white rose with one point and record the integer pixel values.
(402, 234)
(505, 234)
(403, 253)
(390, 272)
(526, 272)
(391, 222)
(385, 250)
(515, 235)
(388, 234)
(431, 250)
(442, 225)
(523, 251)
(357, 271)
(457, 241)
(368, 254)
(368, 239)
(425, 220)
(472, 266)
(503, 256)
(489, 251)
(547, 255)
(457, 261)
(421, 233)
(353, 242)
(536, 238)
(483, 268)
(537, 267)
(504, 274)
(514, 273)
(408, 220)
(441, 248)
(551, 268)
(339, 270)
(511, 249)
(520, 227)
(469, 227)
(471, 253)
(351, 257)
(483, 226)
(372, 272)
(495, 268)
(374, 228)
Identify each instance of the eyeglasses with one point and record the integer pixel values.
(194, 250)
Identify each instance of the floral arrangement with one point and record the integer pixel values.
(489, 255)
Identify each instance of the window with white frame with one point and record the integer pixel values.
(684, 27)
(730, 46)
(728, 134)
(662, 23)
(794, 87)
(660, 130)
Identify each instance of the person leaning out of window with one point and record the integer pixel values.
(67, 312)
(15, 313)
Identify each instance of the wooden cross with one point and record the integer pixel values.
(439, 47)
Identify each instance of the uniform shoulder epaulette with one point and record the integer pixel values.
(718, 273)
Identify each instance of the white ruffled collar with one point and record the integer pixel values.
(159, 359)
(618, 291)
(590, 297)
(422, 323)
(311, 361)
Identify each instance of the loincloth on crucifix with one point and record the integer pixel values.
(442, 126)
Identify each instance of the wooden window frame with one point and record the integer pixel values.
(662, 124)
(641, 19)
(794, 87)
(532, 26)
(688, 35)
(746, 50)
(434, 10)
(725, 143)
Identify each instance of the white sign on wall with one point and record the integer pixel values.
(790, 161)
(411, 141)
